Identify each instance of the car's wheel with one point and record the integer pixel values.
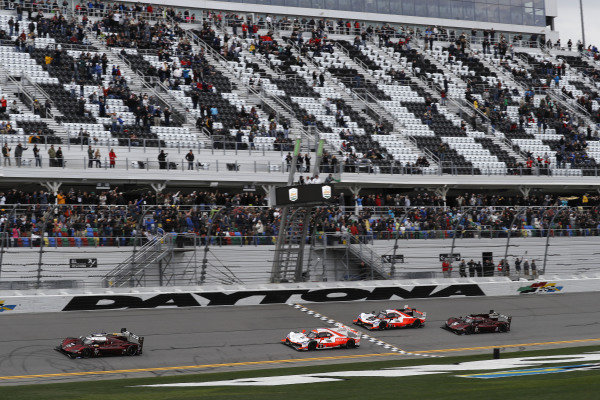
(383, 325)
(503, 328)
(417, 323)
(131, 350)
(350, 344)
(86, 353)
(312, 346)
(469, 330)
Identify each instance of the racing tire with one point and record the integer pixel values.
(383, 325)
(503, 328)
(350, 344)
(417, 323)
(469, 330)
(312, 346)
(131, 350)
(86, 353)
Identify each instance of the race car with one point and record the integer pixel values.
(479, 323)
(323, 338)
(123, 343)
(394, 318)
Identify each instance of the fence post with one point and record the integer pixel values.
(41, 252)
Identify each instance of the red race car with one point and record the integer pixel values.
(323, 338)
(123, 343)
(479, 323)
(403, 317)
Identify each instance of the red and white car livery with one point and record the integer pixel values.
(405, 317)
(323, 338)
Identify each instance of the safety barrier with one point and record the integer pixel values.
(176, 297)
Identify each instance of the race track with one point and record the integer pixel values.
(182, 338)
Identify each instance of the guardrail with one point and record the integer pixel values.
(172, 164)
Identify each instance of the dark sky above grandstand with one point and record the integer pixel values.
(568, 21)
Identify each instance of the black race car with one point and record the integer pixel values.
(478, 323)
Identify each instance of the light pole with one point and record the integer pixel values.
(582, 24)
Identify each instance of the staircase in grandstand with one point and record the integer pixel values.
(375, 268)
(150, 260)
(289, 254)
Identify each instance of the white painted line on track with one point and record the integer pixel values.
(371, 339)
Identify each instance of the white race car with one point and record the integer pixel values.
(323, 338)
(404, 317)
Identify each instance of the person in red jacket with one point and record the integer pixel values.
(446, 268)
(112, 157)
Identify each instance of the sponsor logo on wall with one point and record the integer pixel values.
(293, 194)
(326, 191)
(540, 287)
(255, 297)
(6, 307)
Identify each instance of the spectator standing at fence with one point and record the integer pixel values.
(112, 157)
(526, 268)
(59, 157)
(462, 268)
(162, 160)
(446, 268)
(190, 160)
(533, 269)
(6, 154)
(471, 264)
(36, 155)
(307, 162)
(19, 153)
(3, 105)
(518, 266)
(52, 156)
(97, 158)
(90, 153)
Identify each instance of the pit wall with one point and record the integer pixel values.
(206, 296)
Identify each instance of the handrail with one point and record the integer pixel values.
(357, 60)
(21, 90)
(42, 92)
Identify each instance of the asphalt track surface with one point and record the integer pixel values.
(227, 338)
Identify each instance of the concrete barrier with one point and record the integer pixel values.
(206, 296)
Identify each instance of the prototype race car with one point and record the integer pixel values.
(479, 323)
(395, 318)
(123, 343)
(323, 338)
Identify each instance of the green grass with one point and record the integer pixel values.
(568, 385)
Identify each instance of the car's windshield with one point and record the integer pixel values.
(468, 320)
(88, 341)
(381, 315)
(311, 335)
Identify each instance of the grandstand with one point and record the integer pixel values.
(148, 139)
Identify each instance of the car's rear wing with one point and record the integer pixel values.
(505, 318)
(133, 337)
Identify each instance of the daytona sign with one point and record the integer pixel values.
(255, 297)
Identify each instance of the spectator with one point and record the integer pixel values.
(6, 154)
(90, 153)
(59, 157)
(162, 160)
(36, 155)
(97, 158)
(112, 157)
(19, 154)
(190, 160)
(52, 156)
